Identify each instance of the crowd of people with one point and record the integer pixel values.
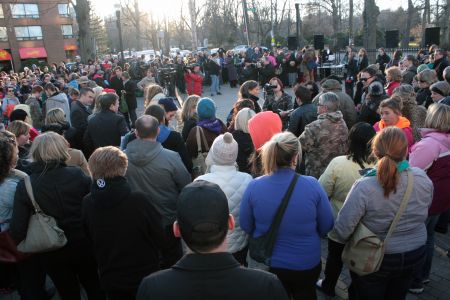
(174, 203)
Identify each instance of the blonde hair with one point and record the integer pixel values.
(438, 117)
(151, 91)
(279, 152)
(395, 73)
(55, 116)
(108, 162)
(187, 111)
(19, 128)
(49, 147)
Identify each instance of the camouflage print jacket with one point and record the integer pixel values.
(323, 140)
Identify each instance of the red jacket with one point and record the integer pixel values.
(193, 83)
(391, 87)
(439, 175)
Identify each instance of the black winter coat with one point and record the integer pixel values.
(245, 149)
(79, 114)
(104, 129)
(423, 97)
(130, 88)
(302, 116)
(59, 191)
(187, 126)
(126, 233)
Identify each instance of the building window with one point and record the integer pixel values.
(3, 34)
(63, 10)
(67, 31)
(28, 33)
(25, 11)
(1, 11)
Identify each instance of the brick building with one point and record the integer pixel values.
(33, 30)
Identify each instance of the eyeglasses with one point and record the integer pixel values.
(365, 79)
(422, 81)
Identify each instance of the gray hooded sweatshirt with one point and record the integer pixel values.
(58, 100)
(157, 172)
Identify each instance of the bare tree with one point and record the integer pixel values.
(407, 29)
(370, 15)
(82, 10)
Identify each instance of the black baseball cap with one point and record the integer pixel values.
(202, 210)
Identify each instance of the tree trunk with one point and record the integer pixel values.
(87, 51)
(193, 18)
(350, 20)
(137, 14)
(370, 16)
(406, 33)
(446, 28)
(425, 19)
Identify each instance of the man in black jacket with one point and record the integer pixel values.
(440, 62)
(130, 88)
(79, 112)
(266, 72)
(208, 271)
(106, 127)
(116, 81)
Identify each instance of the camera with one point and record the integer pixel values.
(268, 88)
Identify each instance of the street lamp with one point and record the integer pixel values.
(297, 23)
(119, 28)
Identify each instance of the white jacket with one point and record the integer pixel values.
(233, 183)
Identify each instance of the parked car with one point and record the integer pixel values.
(240, 48)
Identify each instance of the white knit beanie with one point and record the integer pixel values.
(223, 152)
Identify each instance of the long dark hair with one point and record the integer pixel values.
(360, 143)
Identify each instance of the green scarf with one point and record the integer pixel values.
(401, 166)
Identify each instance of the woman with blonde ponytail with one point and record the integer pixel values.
(296, 253)
(374, 200)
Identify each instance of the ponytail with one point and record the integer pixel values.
(279, 152)
(390, 147)
(387, 175)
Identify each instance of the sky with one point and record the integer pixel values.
(171, 8)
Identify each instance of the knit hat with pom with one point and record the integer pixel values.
(223, 152)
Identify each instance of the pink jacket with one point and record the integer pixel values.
(427, 150)
(432, 154)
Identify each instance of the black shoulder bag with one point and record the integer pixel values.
(260, 249)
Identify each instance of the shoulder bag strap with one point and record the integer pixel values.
(31, 195)
(403, 205)
(204, 140)
(273, 229)
(199, 142)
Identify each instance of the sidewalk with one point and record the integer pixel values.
(437, 289)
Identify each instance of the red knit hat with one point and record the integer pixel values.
(262, 127)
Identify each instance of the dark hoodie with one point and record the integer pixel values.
(126, 232)
(157, 172)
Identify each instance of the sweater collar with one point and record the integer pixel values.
(401, 166)
(402, 123)
(205, 262)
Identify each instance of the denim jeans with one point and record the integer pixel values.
(424, 272)
(392, 280)
(214, 84)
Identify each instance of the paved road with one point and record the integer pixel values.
(438, 288)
